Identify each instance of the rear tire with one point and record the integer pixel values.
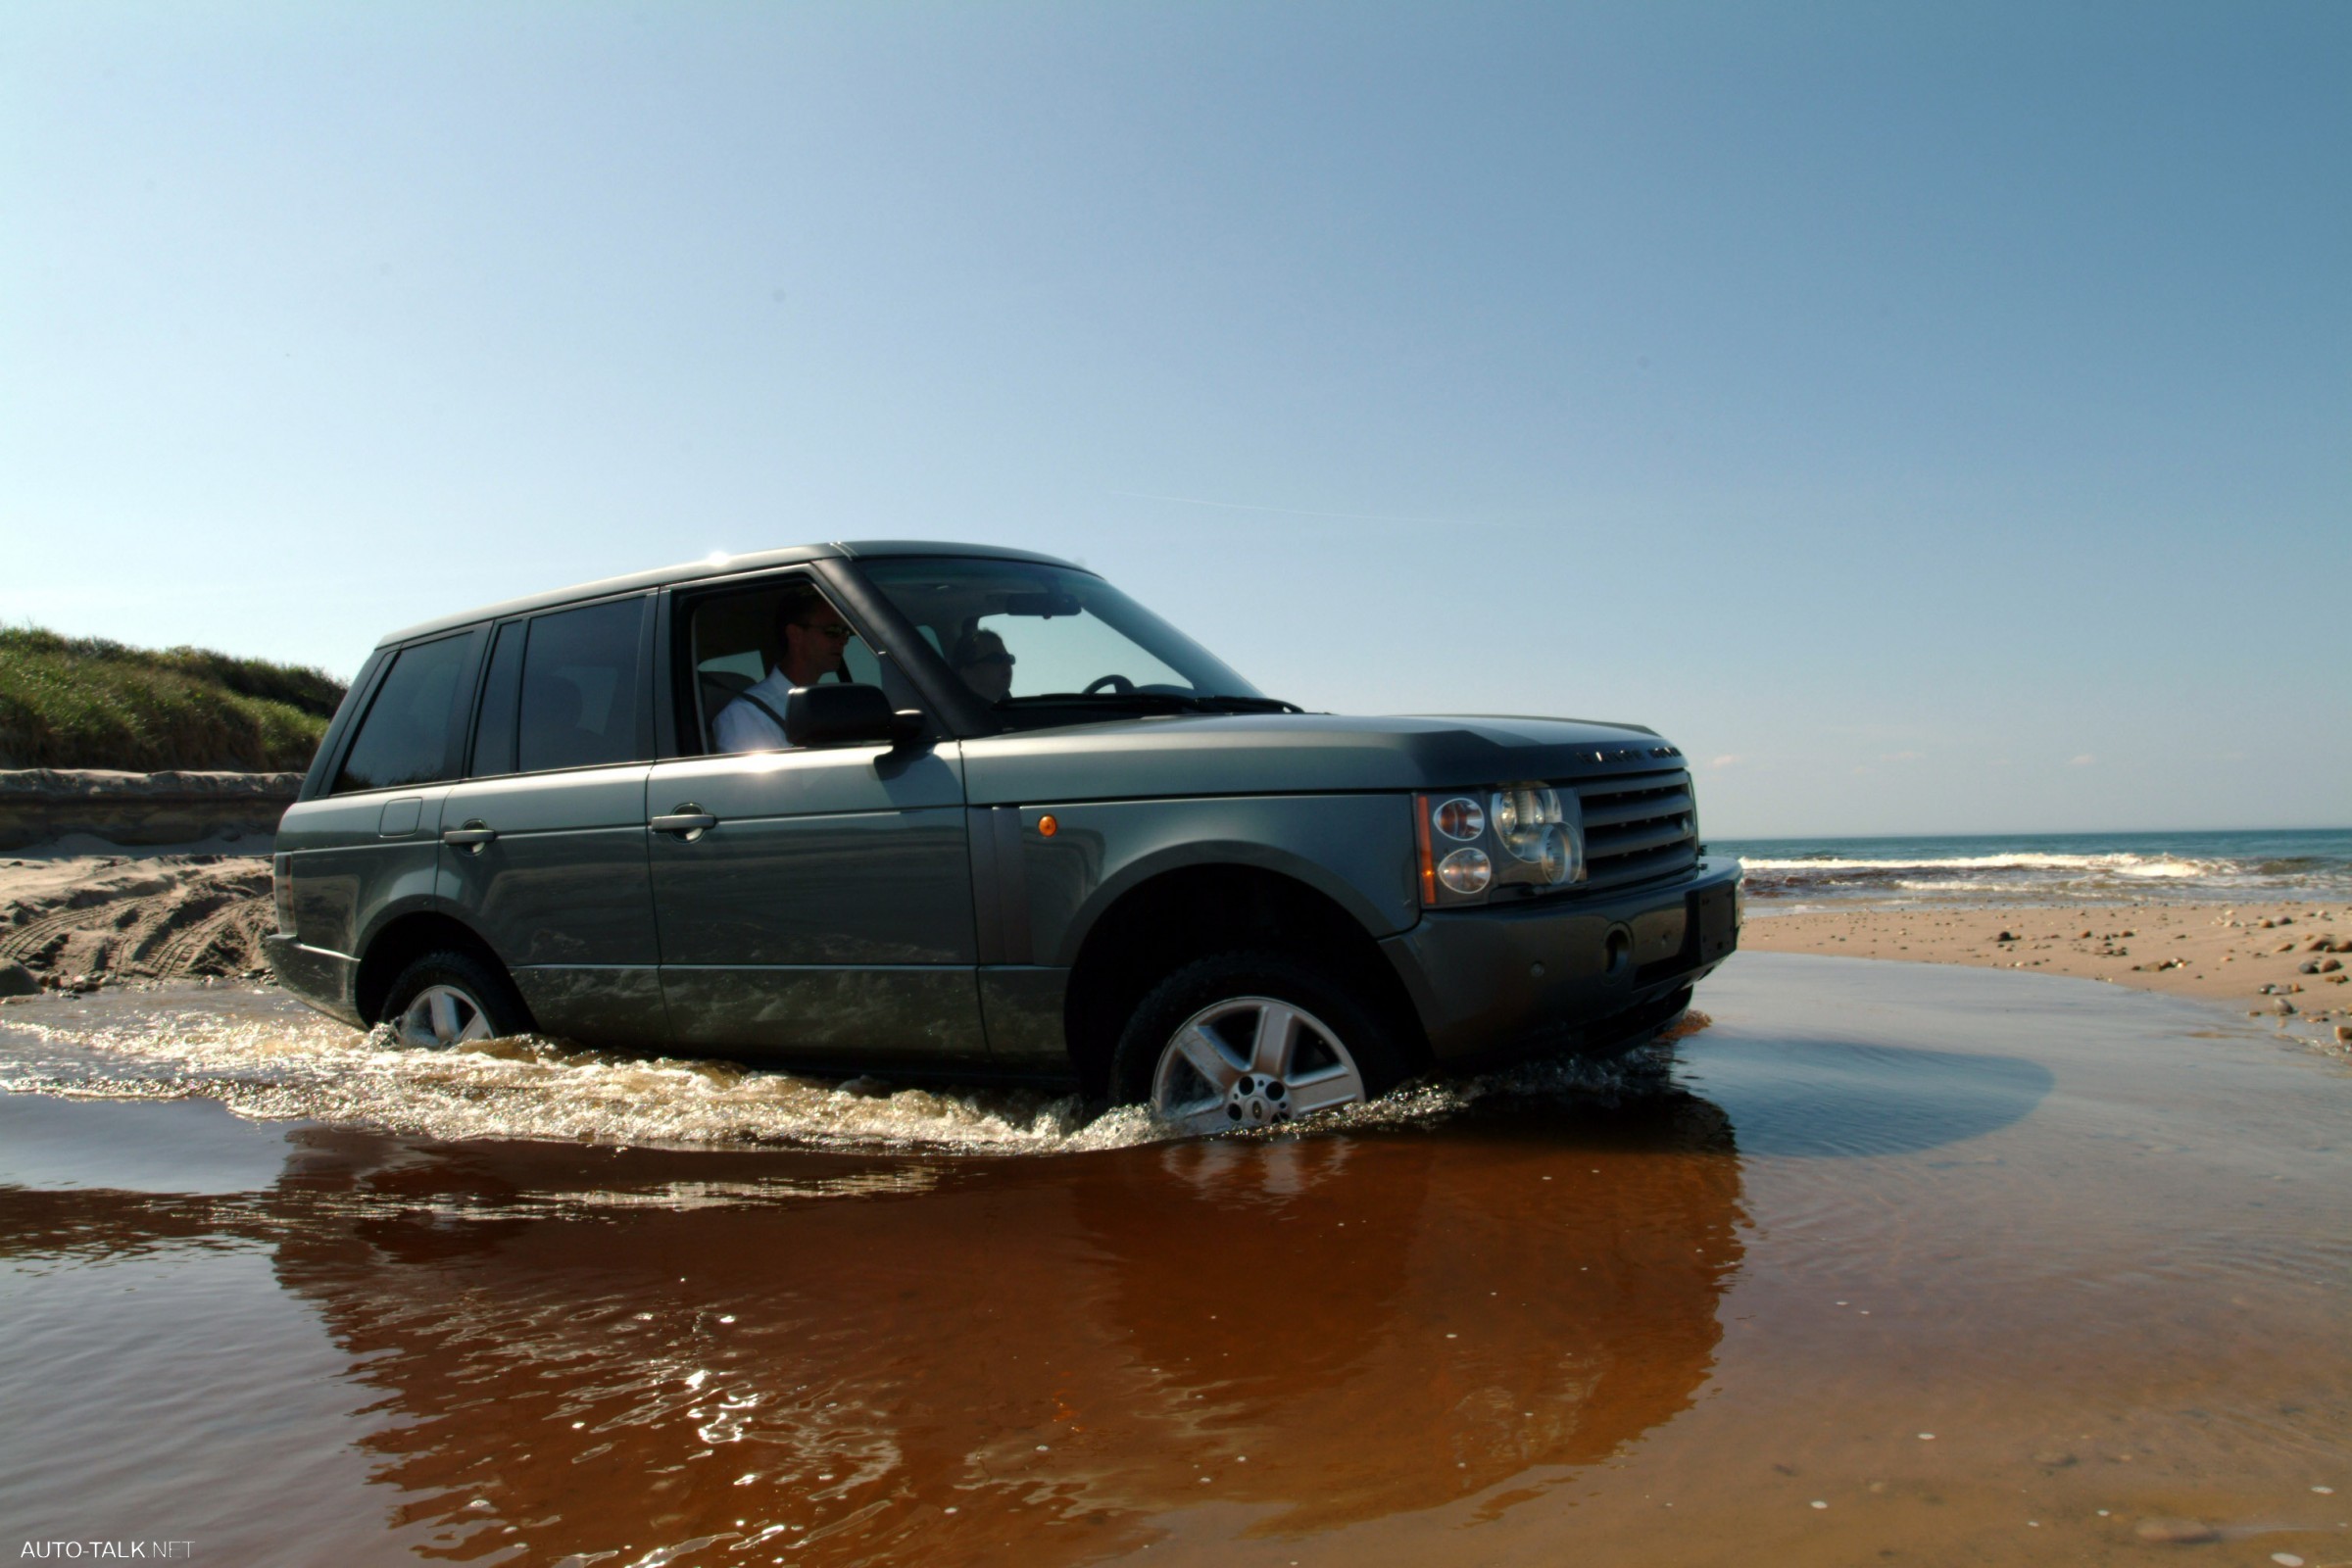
(449, 998)
(1250, 1039)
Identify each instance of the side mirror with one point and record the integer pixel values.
(840, 715)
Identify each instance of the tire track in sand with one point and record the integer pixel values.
(164, 917)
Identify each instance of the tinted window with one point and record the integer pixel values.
(579, 688)
(405, 737)
(494, 731)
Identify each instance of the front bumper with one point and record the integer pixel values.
(1565, 973)
(325, 980)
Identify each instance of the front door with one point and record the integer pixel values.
(815, 906)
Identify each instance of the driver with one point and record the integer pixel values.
(814, 636)
(985, 665)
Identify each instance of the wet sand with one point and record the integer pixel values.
(1891, 1263)
(2247, 957)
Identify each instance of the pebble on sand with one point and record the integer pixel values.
(2175, 1532)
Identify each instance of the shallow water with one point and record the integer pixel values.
(2095, 1243)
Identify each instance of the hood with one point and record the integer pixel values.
(1299, 754)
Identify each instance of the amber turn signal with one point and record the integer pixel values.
(1428, 867)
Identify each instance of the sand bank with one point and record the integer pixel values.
(2249, 957)
(82, 910)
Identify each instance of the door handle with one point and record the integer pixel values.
(472, 836)
(686, 820)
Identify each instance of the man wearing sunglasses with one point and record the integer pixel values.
(985, 665)
(814, 635)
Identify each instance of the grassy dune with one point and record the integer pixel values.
(84, 702)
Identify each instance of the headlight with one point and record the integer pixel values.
(1520, 836)
(1531, 824)
(1466, 871)
(1460, 819)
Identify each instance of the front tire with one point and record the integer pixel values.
(452, 998)
(1250, 1039)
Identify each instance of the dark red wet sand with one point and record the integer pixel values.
(2098, 1250)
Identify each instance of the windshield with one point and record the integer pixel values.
(1053, 644)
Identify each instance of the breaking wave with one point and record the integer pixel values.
(2189, 867)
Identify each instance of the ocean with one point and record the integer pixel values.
(2249, 866)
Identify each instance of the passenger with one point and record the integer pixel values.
(814, 635)
(985, 665)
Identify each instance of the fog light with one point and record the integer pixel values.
(1466, 871)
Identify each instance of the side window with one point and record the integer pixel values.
(502, 694)
(786, 628)
(405, 737)
(580, 688)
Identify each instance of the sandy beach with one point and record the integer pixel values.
(2249, 958)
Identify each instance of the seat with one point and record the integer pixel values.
(719, 687)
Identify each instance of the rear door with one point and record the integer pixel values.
(543, 844)
(824, 915)
(365, 850)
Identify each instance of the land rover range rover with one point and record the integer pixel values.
(986, 814)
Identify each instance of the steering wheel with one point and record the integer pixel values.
(1117, 683)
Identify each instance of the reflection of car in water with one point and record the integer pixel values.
(1390, 1324)
(1022, 828)
(617, 1351)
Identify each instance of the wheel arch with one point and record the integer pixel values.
(1132, 867)
(400, 940)
(1161, 920)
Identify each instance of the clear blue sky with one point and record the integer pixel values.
(1935, 418)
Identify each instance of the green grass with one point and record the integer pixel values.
(84, 702)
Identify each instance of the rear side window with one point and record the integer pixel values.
(405, 737)
(580, 688)
(494, 731)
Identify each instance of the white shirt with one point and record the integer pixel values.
(742, 727)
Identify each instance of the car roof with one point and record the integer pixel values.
(716, 566)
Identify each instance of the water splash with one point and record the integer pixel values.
(266, 1057)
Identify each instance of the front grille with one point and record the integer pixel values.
(1637, 826)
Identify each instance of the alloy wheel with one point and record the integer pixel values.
(442, 1015)
(1251, 1061)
